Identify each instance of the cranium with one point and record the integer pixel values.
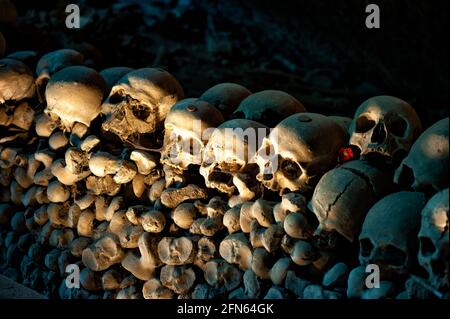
(426, 166)
(268, 107)
(139, 103)
(225, 96)
(384, 127)
(389, 232)
(333, 201)
(74, 94)
(225, 165)
(433, 238)
(16, 81)
(184, 136)
(53, 62)
(298, 151)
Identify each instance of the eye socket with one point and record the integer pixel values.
(397, 125)
(290, 169)
(426, 246)
(141, 112)
(364, 124)
(394, 256)
(115, 98)
(366, 247)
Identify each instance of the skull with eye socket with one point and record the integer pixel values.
(433, 237)
(298, 151)
(139, 103)
(388, 236)
(384, 129)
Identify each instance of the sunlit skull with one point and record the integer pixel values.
(225, 165)
(74, 94)
(298, 151)
(268, 107)
(384, 128)
(16, 81)
(335, 199)
(225, 97)
(139, 103)
(426, 166)
(433, 237)
(389, 234)
(185, 132)
(51, 63)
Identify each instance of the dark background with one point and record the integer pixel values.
(319, 51)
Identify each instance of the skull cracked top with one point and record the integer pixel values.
(139, 103)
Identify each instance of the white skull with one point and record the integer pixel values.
(298, 151)
(227, 154)
(333, 201)
(385, 127)
(433, 238)
(184, 132)
(139, 103)
(426, 166)
(389, 232)
(16, 81)
(74, 94)
(268, 107)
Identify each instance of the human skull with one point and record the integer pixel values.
(16, 81)
(74, 94)
(298, 151)
(225, 96)
(433, 238)
(139, 103)
(225, 164)
(384, 128)
(426, 166)
(268, 107)
(53, 62)
(389, 232)
(185, 132)
(333, 201)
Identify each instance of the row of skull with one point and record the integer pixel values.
(305, 145)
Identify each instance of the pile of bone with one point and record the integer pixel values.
(89, 181)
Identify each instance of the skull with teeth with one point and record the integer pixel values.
(185, 132)
(225, 164)
(388, 234)
(268, 107)
(433, 238)
(139, 103)
(298, 151)
(426, 166)
(384, 127)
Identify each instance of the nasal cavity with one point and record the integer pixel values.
(379, 134)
